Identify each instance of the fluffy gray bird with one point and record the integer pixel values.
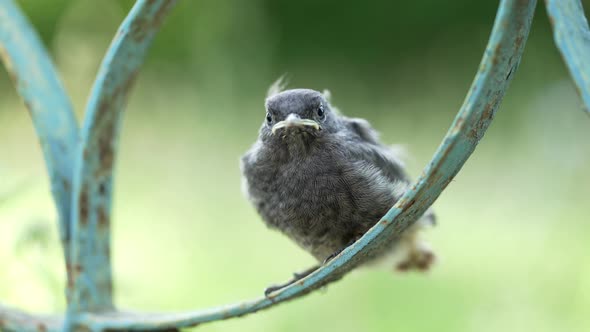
(324, 179)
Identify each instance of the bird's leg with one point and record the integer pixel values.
(296, 277)
(301, 275)
(418, 254)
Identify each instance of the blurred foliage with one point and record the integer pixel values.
(513, 225)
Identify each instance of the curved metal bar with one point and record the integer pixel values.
(38, 83)
(496, 70)
(91, 287)
(12, 320)
(572, 37)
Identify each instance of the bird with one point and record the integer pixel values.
(323, 179)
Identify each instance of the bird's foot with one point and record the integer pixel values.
(296, 277)
(332, 255)
(419, 258)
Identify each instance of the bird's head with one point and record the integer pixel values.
(297, 115)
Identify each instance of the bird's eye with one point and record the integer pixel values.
(321, 111)
(268, 118)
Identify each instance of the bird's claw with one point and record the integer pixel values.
(420, 260)
(274, 288)
(332, 256)
(296, 277)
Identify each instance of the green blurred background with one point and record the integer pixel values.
(514, 225)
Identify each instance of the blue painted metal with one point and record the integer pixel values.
(36, 80)
(13, 320)
(91, 306)
(572, 37)
(91, 289)
(497, 68)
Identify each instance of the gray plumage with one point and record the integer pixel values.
(324, 179)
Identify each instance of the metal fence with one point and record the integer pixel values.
(80, 160)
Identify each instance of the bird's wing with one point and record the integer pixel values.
(385, 158)
(363, 129)
(381, 156)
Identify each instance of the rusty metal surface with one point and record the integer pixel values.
(572, 37)
(91, 286)
(12, 320)
(37, 82)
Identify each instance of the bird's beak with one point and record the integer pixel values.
(293, 120)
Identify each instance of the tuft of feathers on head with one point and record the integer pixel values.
(278, 86)
(327, 94)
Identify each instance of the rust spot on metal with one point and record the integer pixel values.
(495, 59)
(103, 217)
(496, 55)
(409, 204)
(66, 185)
(161, 14)
(139, 30)
(459, 124)
(497, 49)
(84, 203)
(488, 112)
(144, 27)
(102, 189)
(435, 177)
(105, 148)
(384, 222)
(41, 327)
(473, 134)
(476, 133)
(73, 271)
(108, 132)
